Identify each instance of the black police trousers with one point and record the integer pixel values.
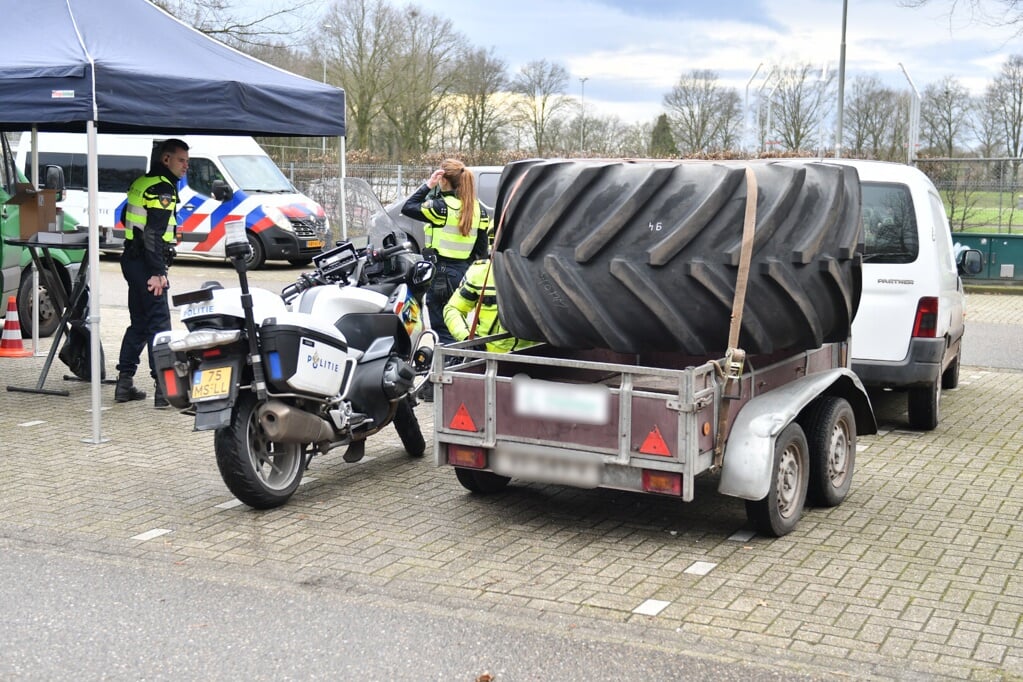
(149, 314)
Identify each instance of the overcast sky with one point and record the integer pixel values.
(633, 51)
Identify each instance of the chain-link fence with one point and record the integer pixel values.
(980, 195)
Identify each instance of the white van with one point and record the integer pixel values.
(282, 223)
(908, 331)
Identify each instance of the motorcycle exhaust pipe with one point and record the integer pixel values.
(283, 423)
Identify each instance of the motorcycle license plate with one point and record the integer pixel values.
(314, 244)
(210, 384)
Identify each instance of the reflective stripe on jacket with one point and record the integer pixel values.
(441, 214)
(459, 310)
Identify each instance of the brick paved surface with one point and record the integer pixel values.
(916, 576)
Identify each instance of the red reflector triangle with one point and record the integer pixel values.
(654, 444)
(462, 421)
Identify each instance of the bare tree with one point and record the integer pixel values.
(361, 36)
(480, 79)
(1006, 95)
(421, 74)
(542, 86)
(869, 114)
(800, 103)
(945, 114)
(221, 20)
(987, 126)
(705, 116)
(991, 12)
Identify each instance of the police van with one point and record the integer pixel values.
(282, 224)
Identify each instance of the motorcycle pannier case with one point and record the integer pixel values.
(173, 384)
(302, 356)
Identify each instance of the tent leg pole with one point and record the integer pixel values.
(95, 380)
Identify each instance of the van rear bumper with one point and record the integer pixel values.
(920, 367)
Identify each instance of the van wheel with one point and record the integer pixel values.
(300, 262)
(950, 377)
(49, 313)
(257, 255)
(779, 512)
(924, 404)
(830, 427)
(481, 482)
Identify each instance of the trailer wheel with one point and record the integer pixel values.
(779, 512)
(481, 482)
(924, 405)
(830, 428)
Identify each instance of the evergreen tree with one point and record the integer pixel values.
(662, 144)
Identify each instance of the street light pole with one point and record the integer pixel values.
(914, 118)
(841, 84)
(582, 111)
(326, 27)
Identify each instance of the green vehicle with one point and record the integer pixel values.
(16, 261)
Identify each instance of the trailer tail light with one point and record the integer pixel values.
(467, 456)
(662, 482)
(926, 323)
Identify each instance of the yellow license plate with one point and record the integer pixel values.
(210, 384)
(314, 244)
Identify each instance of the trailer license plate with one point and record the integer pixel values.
(210, 384)
(531, 466)
(585, 404)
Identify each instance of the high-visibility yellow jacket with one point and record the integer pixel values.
(441, 214)
(151, 211)
(460, 308)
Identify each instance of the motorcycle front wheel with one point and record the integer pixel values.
(407, 426)
(260, 473)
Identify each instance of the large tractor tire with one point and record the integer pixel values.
(643, 256)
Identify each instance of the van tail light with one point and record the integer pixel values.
(926, 323)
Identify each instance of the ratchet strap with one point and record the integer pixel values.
(735, 357)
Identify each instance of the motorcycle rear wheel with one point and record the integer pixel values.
(260, 473)
(407, 426)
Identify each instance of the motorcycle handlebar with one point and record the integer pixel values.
(379, 255)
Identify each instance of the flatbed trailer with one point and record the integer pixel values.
(779, 429)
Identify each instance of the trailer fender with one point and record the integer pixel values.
(749, 450)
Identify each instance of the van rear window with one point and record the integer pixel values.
(116, 173)
(889, 224)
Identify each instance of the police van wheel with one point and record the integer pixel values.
(300, 262)
(260, 473)
(257, 254)
(49, 314)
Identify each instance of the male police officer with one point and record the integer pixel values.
(149, 233)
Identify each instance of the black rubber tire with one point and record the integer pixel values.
(300, 262)
(950, 377)
(830, 427)
(49, 312)
(644, 256)
(778, 513)
(407, 426)
(924, 403)
(257, 254)
(245, 456)
(481, 482)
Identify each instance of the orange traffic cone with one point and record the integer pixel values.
(10, 343)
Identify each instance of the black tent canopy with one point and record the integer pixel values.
(122, 66)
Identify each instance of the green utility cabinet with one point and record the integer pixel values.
(1003, 254)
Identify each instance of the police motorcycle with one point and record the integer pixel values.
(332, 360)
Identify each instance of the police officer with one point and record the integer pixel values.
(456, 232)
(461, 307)
(149, 237)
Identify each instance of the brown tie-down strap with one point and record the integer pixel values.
(486, 275)
(735, 357)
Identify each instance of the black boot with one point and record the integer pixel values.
(125, 391)
(159, 400)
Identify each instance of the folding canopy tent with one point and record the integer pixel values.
(127, 66)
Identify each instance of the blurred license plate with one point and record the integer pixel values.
(581, 403)
(531, 466)
(210, 384)
(314, 244)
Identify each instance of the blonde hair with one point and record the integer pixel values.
(463, 183)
